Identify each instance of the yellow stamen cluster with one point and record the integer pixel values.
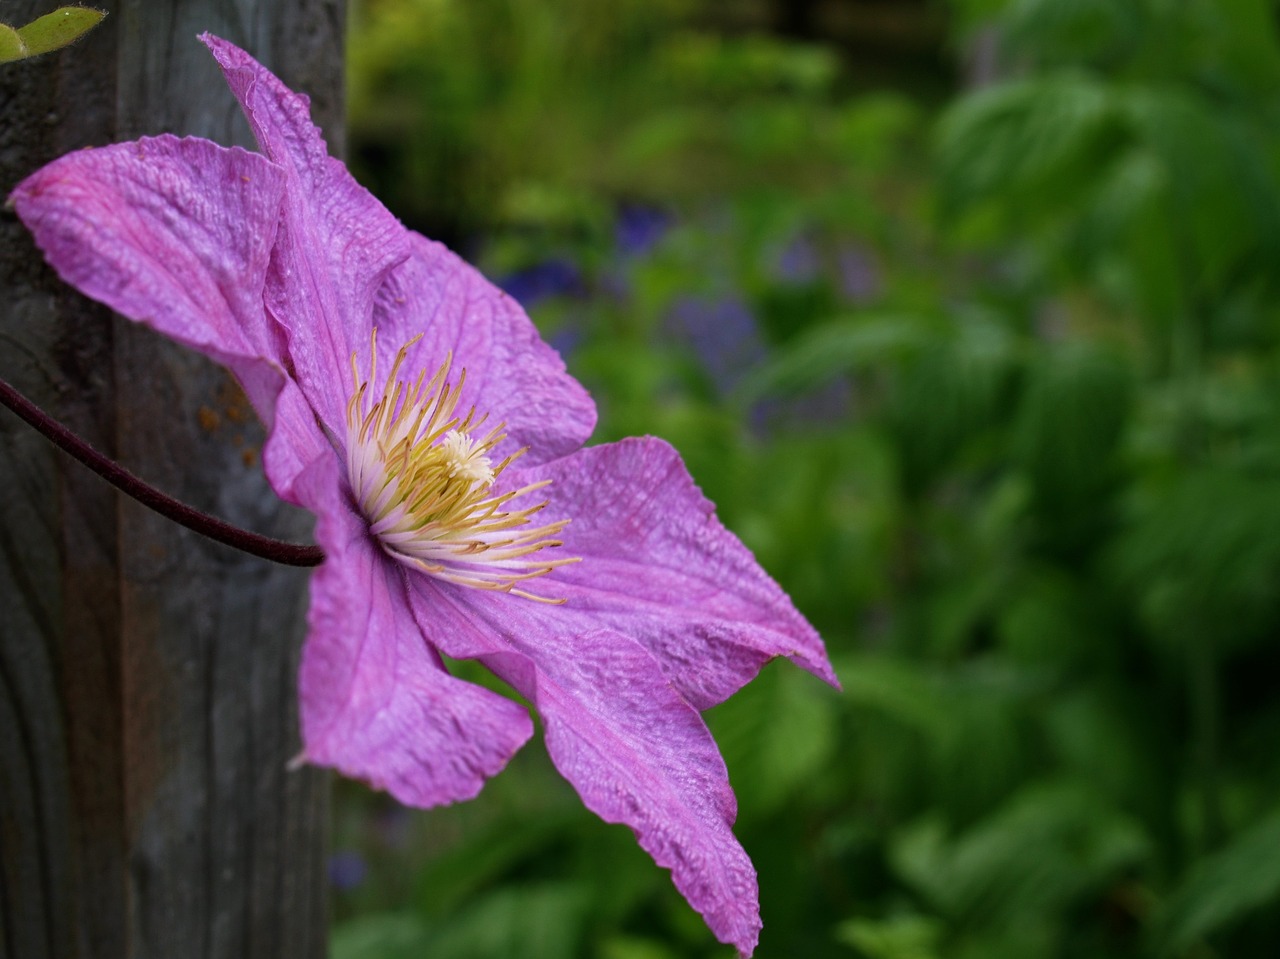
(423, 478)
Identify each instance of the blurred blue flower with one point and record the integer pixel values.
(723, 334)
(347, 870)
(860, 276)
(394, 825)
(553, 277)
(799, 261)
(639, 228)
(829, 402)
(557, 276)
(565, 340)
(725, 337)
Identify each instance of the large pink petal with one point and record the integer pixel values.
(296, 441)
(376, 702)
(174, 233)
(659, 566)
(631, 745)
(511, 374)
(336, 243)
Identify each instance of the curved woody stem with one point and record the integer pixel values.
(278, 551)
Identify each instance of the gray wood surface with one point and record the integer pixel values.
(147, 676)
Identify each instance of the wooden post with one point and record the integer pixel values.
(147, 676)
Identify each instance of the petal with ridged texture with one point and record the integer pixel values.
(377, 704)
(336, 241)
(511, 374)
(659, 566)
(635, 750)
(174, 233)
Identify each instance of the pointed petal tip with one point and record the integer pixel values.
(222, 50)
(232, 59)
(238, 67)
(659, 565)
(818, 666)
(216, 43)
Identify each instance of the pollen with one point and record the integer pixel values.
(423, 476)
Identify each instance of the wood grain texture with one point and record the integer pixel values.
(147, 676)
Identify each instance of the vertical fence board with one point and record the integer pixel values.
(147, 677)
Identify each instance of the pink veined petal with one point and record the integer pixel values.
(376, 702)
(512, 375)
(635, 750)
(336, 241)
(295, 442)
(174, 233)
(658, 566)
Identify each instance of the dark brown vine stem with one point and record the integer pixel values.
(278, 551)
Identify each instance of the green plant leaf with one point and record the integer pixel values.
(910, 936)
(1202, 557)
(1067, 31)
(458, 876)
(45, 34)
(630, 947)
(390, 935)
(1242, 877)
(777, 735)
(533, 921)
(1048, 848)
(11, 45)
(1029, 147)
(839, 346)
(896, 689)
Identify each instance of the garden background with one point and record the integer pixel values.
(967, 317)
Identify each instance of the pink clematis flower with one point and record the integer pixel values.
(413, 408)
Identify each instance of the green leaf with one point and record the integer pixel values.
(11, 45)
(459, 876)
(1067, 31)
(898, 690)
(910, 936)
(1070, 426)
(534, 921)
(1125, 235)
(629, 947)
(1224, 887)
(1224, 197)
(1029, 147)
(1046, 850)
(777, 735)
(45, 34)
(839, 346)
(1203, 557)
(946, 397)
(380, 936)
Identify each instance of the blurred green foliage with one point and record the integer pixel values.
(992, 387)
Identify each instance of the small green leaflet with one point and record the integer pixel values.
(45, 34)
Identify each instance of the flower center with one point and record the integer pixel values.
(424, 479)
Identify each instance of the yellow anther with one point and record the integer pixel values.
(424, 480)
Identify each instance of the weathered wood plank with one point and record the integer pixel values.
(147, 677)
